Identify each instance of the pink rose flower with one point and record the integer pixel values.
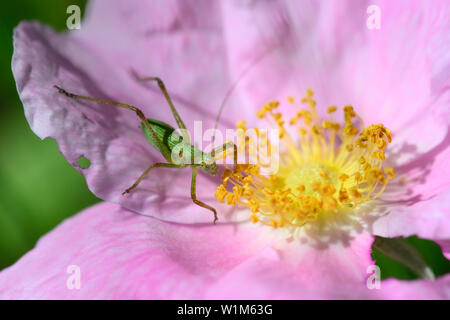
(396, 75)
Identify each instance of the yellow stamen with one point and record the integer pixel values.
(335, 166)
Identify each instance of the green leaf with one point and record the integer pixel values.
(402, 251)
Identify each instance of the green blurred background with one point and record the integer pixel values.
(39, 189)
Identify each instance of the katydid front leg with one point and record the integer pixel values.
(223, 148)
(146, 172)
(194, 194)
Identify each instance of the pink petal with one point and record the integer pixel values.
(388, 75)
(426, 219)
(413, 85)
(171, 40)
(327, 46)
(96, 61)
(122, 255)
(445, 246)
(179, 41)
(301, 272)
(416, 290)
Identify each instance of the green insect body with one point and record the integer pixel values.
(184, 153)
(175, 148)
(165, 133)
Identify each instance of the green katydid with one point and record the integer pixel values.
(165, 139)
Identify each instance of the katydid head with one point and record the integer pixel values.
(209, 165)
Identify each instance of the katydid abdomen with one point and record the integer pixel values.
(180, 152)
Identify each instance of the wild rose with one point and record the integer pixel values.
(171, 249)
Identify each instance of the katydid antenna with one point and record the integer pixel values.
(233, 86)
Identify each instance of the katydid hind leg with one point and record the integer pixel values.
(175, 113)
(194, 194)
(146, 172)
(162, 147)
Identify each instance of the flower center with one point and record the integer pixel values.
(332, 167)
(306, 174)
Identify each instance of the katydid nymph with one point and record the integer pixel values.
(166, 140)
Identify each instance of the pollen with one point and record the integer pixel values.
(326, 167)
